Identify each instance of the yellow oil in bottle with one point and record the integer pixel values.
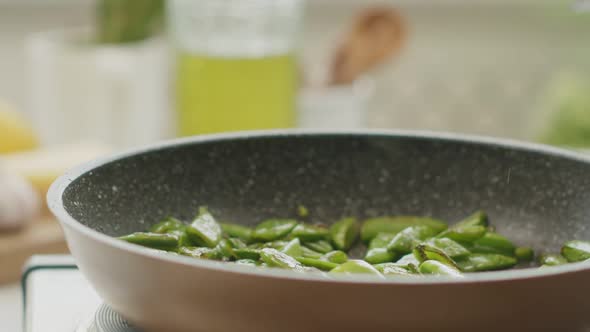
(218, 94)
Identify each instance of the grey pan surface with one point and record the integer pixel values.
(537, 195)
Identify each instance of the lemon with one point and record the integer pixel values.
(42, 166)
(15, 132)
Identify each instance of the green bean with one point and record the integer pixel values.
(424, 252)
(408, 260)
(256, 245)
(225, 250)
(152, 240)
(465, 234)
(372, 227)
(379, 255)
(355, 266)
(552, 259)
(204, 230)
(174, 227)
(493, 243)
(293, 248)
(336, 256)
(479, 218)
(438, 268)
(393, 268)
(449, 247)
(576, 251)
(237, 231)
(377, 251)
(278, 244)
(524, 254)
(275, 258)
(344, 232)
(183, 239)
(308, 253)
(381, 240)
(486, 262)
(323, 265)
(236, 243)
(309, 233)
(247, 253)
(273, 229)
(321, 246)
(404, 241)
(426, 245)
(167, 225)
(199, 252)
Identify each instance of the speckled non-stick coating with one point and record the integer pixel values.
(538, 199)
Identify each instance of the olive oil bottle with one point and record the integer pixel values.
(218, 94)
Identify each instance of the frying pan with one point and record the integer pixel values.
(536, 195)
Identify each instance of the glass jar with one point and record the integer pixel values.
(236, 65)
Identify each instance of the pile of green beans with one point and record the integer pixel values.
(395, 245)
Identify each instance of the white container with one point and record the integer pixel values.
(115, 94)
(337, 107)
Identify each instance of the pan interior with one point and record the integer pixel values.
(534, 198)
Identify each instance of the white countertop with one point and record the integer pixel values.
(10, 307)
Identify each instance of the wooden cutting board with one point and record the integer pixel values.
(43, 236)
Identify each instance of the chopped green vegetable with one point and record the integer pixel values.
(479, 218)
(576, 251)
(426, 245)
(198, 252)
(493, 243)
(424, 252)
(275, 258)
(379, 255)
(237, 231)
(204, 230)
(293, 248)
(308, 233)
(552, 260)
(321, 246)
(336, 256)
(438, 268)
(306, 252)
(374, 226)
(323, 265)
(167, 225)
(273, 229)
(356, 266)
(344, 233)
(449, 247)
(393, 268)
(247, 253)
(404, 241)
(152, 240)
(524, 254)
(465, 234)
(486, 262)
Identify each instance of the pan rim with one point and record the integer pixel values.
(57, 188)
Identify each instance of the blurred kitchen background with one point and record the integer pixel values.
(80, 79)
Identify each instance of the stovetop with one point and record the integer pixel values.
(57, 297)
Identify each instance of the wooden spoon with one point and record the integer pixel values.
(377, 34)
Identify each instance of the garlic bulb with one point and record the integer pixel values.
(19, 202)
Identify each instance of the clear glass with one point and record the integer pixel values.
(236, 63)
